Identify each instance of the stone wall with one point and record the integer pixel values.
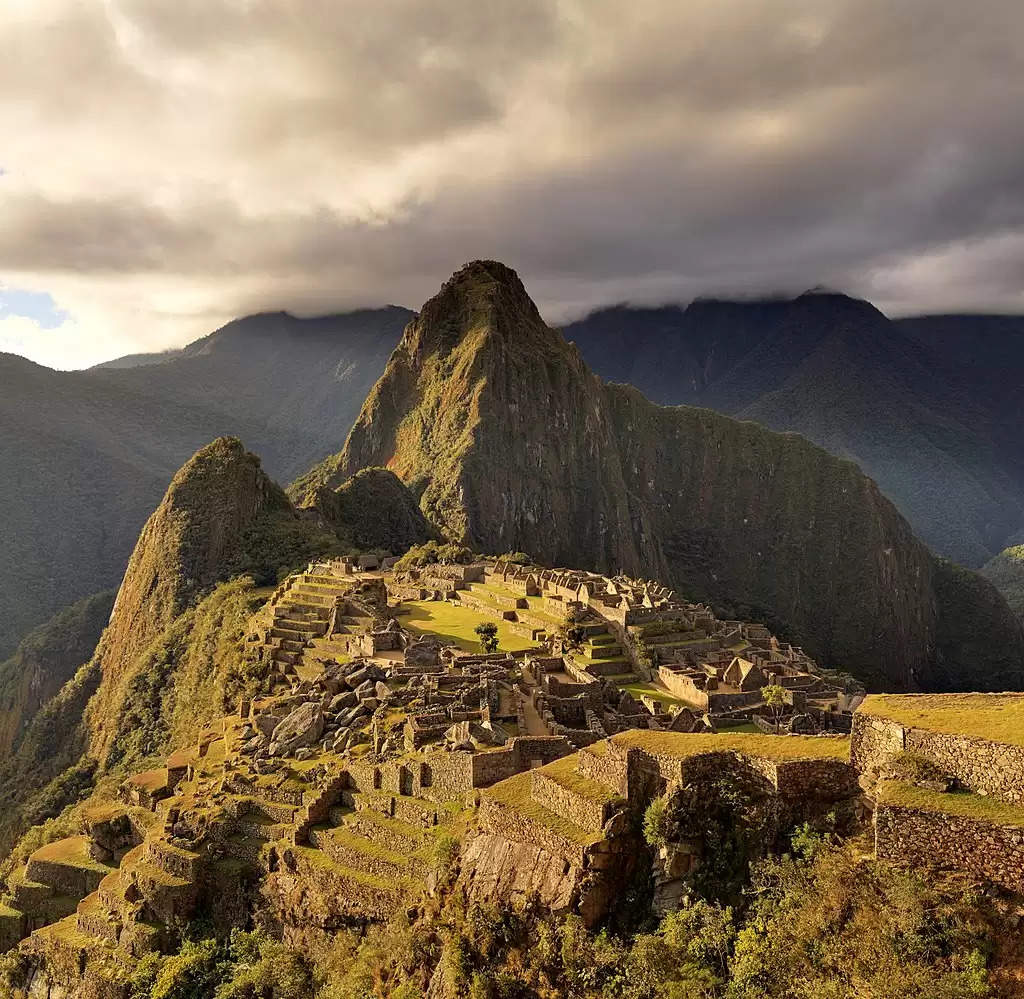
(520, 754)
(501, 820)
(990, 767)
(915, 838)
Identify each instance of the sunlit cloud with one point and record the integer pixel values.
(169, 166)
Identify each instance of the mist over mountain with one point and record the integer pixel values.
(929, 407)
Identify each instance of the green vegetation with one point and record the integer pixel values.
(961, 803)
(821, 924)
(488, 634)
(682, 745)
(654, 822)
(434, 553)
(374, 511)
(45, 660)
(997, 717)
(1006, 573)
(192, 673)
(456, 624)
(775, 699)
(980, 638)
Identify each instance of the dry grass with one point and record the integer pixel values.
(772, 747)
(960, 803)
(996, 717)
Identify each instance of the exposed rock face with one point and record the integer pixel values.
(300, 729)
(45, 660)
(512, 443)
(195, 538)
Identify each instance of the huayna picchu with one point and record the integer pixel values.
(535, 690)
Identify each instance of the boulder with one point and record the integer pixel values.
(300, 729)
(382, 690)
(342, 701)
(265, 724)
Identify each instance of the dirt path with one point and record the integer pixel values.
(534, 723)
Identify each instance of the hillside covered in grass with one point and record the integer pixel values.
(1006, 573)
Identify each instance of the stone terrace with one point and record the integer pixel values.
(947, 773)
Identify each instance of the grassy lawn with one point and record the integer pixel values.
(515, 792)
(997, 717)
(456, 624)
(71, 852)
(773, 747)
(962, 803)
(639, 688)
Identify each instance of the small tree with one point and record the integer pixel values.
(488, 632)
(775, 698)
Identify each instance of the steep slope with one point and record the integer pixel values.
(510, 442)
(928, 407)
(45, 660)
(1006, 573)
(221, 517)
(86, 455)
(174, 649)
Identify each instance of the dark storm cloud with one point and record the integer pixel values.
(223, 156)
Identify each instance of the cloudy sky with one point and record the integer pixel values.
(166, 165)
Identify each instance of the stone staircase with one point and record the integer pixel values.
(301, 615)
(602, 655)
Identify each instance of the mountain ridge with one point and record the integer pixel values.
(512, 443)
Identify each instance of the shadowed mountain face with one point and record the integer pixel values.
(928, 407)
(512, 443)
(86, 455)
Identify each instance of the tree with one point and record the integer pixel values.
(488, 632)
(775, 698)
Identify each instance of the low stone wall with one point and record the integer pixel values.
(65, 879)
(587, 813)
(915, 838)
(609, 767)
(502, 820)
(520, 754)
(992, 767)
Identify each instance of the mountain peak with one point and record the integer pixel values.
(482, 296)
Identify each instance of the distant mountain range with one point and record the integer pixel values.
(929, 407)
(86, 455)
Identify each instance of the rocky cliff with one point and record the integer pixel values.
(45, 660)
(512, 443)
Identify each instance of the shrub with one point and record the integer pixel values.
(656, 822)
(488, 633)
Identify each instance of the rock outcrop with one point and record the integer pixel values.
(512, 443)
